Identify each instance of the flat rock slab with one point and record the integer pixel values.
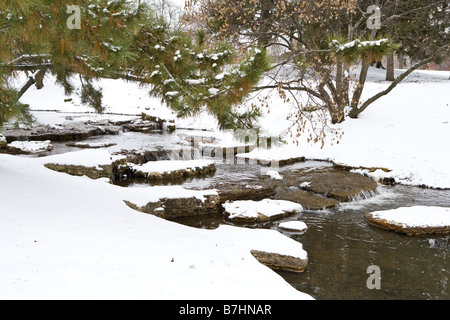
(340, 185)
(308, 200)
(175, 208)
(413, 221)
(29, 147)
(264, 210)
(280, 262)
(90, 145)
(94, 164)
(68, 133)
(160, 170)
(243, 191)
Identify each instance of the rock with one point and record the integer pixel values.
(341, 185)
(161, 170)
(73, 132)
(142, 126)
(280, 262)
(29, 147)
(113, 167)
(148, 124)
(308, 200)
(3, 141)
(180, 207)
(413, 221)
(295, 226)
(264, 210)
(272, 162)
(165, 124)
(243, 191)
(90, 145)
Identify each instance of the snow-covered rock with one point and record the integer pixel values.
(156, 170)
(29, 147)
(94, 164)
(91, 145)
(418, 220)
(264, 210)
(299, 226)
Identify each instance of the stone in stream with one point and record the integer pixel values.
(281, 262)
(308, 200)
(161, 170)
(413, 221)
(72, 132)
(174, 208)
(29, 147)
(340, 185)
(260, 211)
(233, 191)
(90, 145)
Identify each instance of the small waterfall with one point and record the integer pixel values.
(364, 195)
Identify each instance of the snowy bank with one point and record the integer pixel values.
(418, 220)
(404, 131)
(65, 237)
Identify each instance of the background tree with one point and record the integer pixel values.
(320, 41)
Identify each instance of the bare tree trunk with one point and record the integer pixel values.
(401, 61)
(37, 79)
(361, 83)
(390, 76)
(355, 112)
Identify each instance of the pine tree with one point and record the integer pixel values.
(117, 39)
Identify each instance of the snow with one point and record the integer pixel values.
(2, 138)
(85, 158)
(171, 166)
(358, 43)
(418, 216)
(85, 243)
(294, 226)
(253, 209)
(275, 175)
(32, 146)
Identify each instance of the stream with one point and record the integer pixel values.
(341, 245)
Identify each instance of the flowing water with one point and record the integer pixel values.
(341, 245)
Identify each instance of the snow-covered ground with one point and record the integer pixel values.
(65, 237)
